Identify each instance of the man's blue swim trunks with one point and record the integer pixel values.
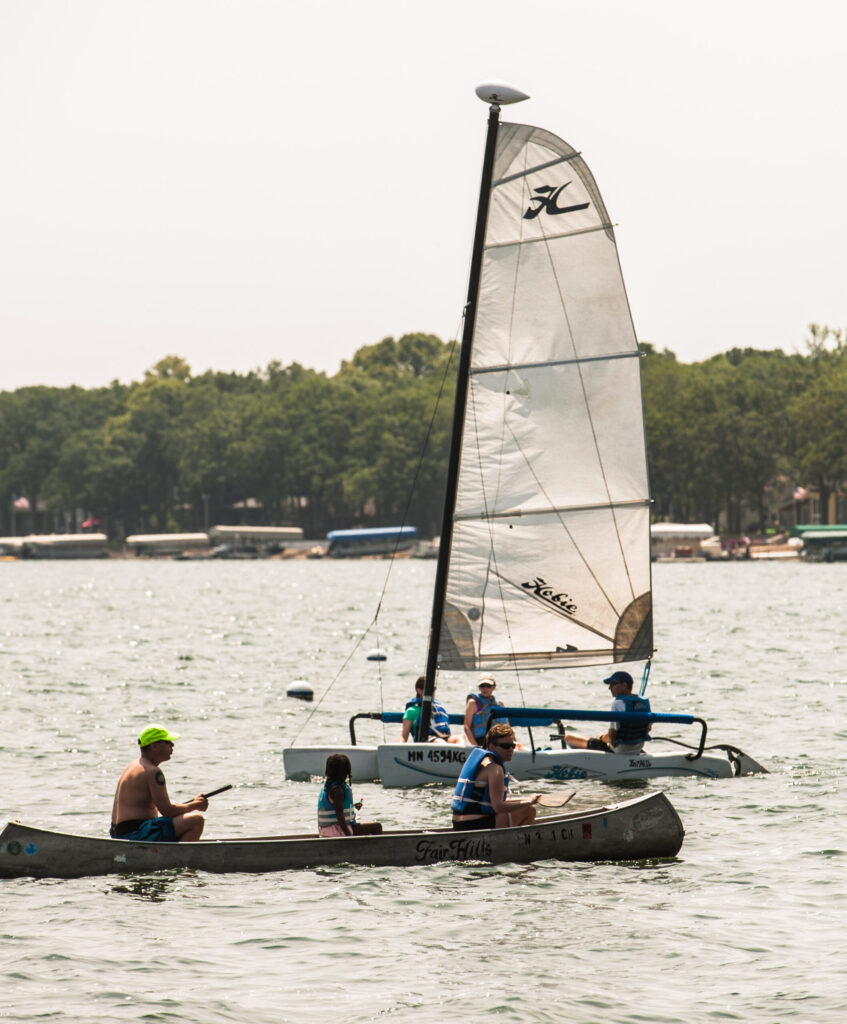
(153, 830)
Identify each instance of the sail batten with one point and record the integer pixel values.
(549, 560)
(551, 362)
(483, 514)
(549, 238)
(533, 170)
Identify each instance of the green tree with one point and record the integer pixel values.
(819, 425)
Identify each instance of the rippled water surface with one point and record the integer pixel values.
(746, 925)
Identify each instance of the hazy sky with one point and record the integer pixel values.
(240, 182)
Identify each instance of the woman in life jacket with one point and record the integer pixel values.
(481, 798)
(478, 709)
(336, 808)
(478, 712)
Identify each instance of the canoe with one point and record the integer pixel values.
(416, 764)
(645, 828)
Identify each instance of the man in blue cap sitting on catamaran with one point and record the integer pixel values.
(622, 737)
(142, 809)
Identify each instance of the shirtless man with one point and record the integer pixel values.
(142, 809)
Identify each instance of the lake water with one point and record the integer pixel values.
(746, 925)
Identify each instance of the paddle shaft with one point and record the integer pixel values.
(555, 799)
(215, 792)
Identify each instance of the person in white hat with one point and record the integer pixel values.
(478, 710)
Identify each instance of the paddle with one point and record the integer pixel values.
(215, 792)
(555, 799)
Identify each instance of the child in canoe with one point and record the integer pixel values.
(336, 809)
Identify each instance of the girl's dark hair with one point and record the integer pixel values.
(338, 768)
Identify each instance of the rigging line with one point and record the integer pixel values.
(489, 519)
(374, 621)
(588, 411)
(492, 552)
(380, 686)
(334, 680)
(499, 577)
(553, 610)
(505, 610)
(473, 411)
(472, 401)
(564, 525)
(425, 444)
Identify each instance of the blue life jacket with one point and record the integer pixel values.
(439, 723)
(469, 796)
(632, 733)
(326, 808)
(479, 722)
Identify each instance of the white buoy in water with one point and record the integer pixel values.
(377, 655)
(301, 690)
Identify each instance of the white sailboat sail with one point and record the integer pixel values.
(550, 556)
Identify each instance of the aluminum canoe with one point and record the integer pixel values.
(645, 828)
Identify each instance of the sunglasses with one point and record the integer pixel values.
(505, 746)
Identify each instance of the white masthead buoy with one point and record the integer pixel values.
(376, 655)
(300, 690)
(499, 93)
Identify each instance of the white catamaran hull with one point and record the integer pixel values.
(640, 829)
(416, 764)
(303, 763)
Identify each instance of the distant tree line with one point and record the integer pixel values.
(728, 434)
(181, 452)
(368, 446)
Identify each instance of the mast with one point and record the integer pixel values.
(495, 93)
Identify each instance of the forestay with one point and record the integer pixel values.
(550, 557)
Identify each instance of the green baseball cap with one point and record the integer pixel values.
(155, 734)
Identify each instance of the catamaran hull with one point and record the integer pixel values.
(645, 828)
(303, 763)
(399, 767)
(417, 764)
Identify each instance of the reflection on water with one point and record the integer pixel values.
(150, 888)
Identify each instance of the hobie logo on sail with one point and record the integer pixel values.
(546, 196)
(540, 588)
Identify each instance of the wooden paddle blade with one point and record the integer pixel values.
(555, 799)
